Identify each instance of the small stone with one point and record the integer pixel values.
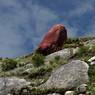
(92, 59)
(82, 88)
(29, 65)
(92, 63)
(70, 93)
(54, 94)
(10, 94)
(88, 93)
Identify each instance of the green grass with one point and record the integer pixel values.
(8, 64)
(38, 59)
(40, 72)
(91, 88)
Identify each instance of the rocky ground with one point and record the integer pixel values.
(70, 71)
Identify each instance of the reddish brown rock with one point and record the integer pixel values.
(53, 40)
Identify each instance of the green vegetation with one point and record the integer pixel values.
(72, 43)
(92, 73)
(41, 71)
(91, 88)
(0, 58)
(38, 59)
(83, 51)
(8, 64)
(92, 48)
(41, 91)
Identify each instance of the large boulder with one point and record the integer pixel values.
(63, 54)
(68, 76)
(11, 83)
(53, 40)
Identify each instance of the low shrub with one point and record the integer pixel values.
(83, 50)
(93, 48)
(41, 71)
(91, 73)
(91, 88)
(38, 59)
(8, 64)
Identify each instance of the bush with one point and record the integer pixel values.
(0, 58)
(41, 71)
(93, 48)
(91, 89)
(91, 73)
(38, 59)
(8, 64)
(72, 43)
(83, 51)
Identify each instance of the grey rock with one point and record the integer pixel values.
(89, 43)
(82, 88)
(54, 94)
(68, 76)
(92, 60)
(29, 65)
(11, 83)
(92, 63)
(63, 54)
(69, 93)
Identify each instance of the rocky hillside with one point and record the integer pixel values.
(70, 71)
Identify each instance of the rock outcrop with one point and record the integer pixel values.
(63, 54)
(68, 76)
(11, 83)
(53, 40)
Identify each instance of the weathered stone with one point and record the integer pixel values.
(69, 93)
(11, 83)
(63, 54)
(90, 43)
(92, 60)
(54, 94)
(68, 76)
(53, 40)
(82, 88)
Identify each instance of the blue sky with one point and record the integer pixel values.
(23, 23)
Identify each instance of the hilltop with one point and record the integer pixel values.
(35, 71)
